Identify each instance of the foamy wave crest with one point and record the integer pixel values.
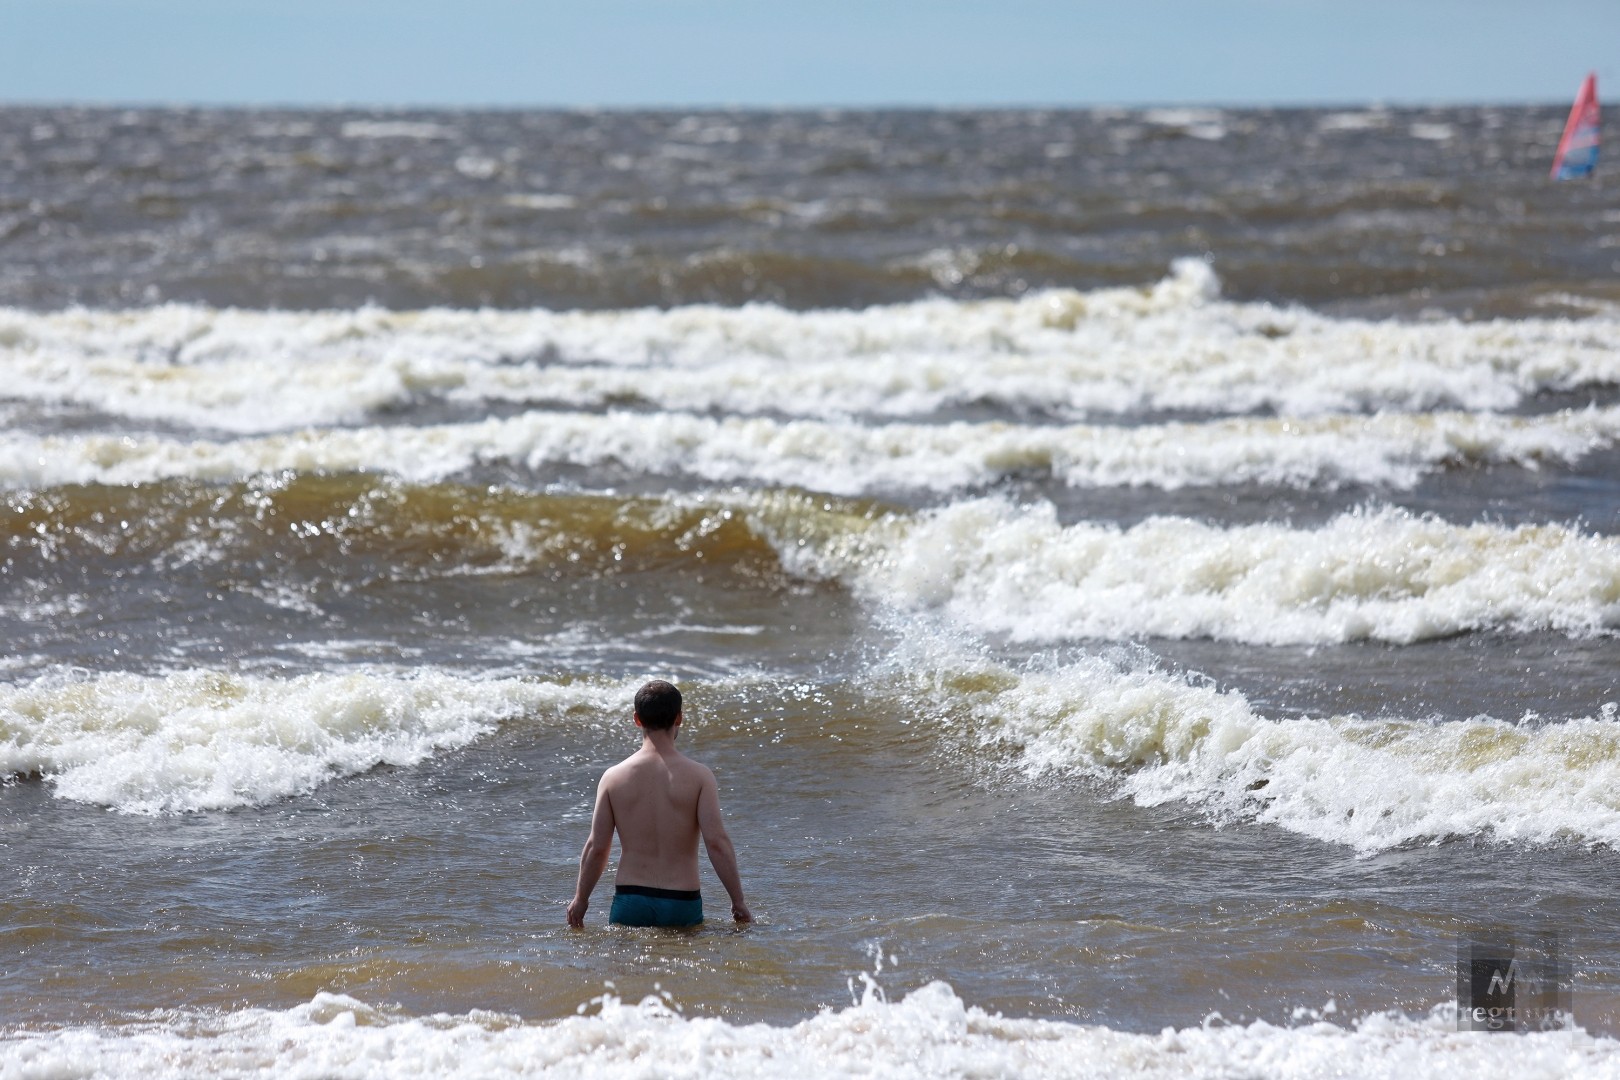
(1382, 575)
(208, 740)
(1372, 785)
(1394, 450)
(930, 1033)
(1170, 346)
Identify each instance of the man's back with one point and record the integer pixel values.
(655, 809)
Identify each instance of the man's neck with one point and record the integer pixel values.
(660, 742)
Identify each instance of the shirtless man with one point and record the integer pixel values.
(660, 801)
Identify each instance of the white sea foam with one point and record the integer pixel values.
(1371, 120)
(930, 1033)
(541, 200)
(205, 740)
(1174, 345)
(1433, 132)
(1391, 449)
(1383, 575)
(395, 129)
(1209, 124)
(1159, 738)
(238, 371)
(1372, 574)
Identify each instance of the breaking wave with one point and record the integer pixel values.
(1392, 450)
(1381, 575)
(1064, 354)
(988, 565)
(931, 1032)
(1157, 737)
(205, 740)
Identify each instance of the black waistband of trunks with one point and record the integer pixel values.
(658, 894)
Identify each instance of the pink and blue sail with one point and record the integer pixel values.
(1578, 149)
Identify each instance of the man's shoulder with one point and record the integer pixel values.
(699, 774)
(616, 773)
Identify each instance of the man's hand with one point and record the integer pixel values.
(576, 910)
(741, 913)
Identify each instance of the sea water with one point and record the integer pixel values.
(1147, 583)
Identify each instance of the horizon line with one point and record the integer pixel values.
(1365, 105)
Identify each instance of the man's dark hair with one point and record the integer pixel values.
(657, 705)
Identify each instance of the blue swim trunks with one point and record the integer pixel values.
(643, 905)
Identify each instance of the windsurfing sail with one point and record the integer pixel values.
(1578, 149)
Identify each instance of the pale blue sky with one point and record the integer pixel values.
(827, 52)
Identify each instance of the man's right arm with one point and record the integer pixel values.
(593, 860)
(722, 856)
